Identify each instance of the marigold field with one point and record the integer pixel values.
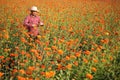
(80, 40)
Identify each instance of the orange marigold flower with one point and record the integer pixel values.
(60, 52)
(76, 63)
(42, 73)
(13, 54)
(111, 58)
(59, 66)
(47, 49)
(49, 74)
(33, 50)
(85, 60)
(28, 72)
(103, 60)
(43, 66)
(22, 71)
(23, 39)
(22, 52)
(6, 36)
(21, 78)
(14, 71)
(105, 41)
(54, 47)
(67, 58)
(69, 66)
(89, 76)
(87, 52)
(61, 40)
(78, 54)
(1, 74)
(95, 60)
(72, 57)
(1, 57)
(39, 57)
(31, 68)
(93, 69)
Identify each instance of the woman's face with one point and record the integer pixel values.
(34, 13)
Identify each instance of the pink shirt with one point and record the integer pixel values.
(29, 21)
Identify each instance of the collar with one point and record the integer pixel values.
(33, 15)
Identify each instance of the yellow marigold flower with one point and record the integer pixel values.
(72, 57)
(47, 49)
(38, 36)
(49, 74)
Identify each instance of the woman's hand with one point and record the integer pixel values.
(34, 25)
(41, 24)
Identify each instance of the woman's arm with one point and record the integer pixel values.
(26, 22)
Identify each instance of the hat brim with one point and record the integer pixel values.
(35, 10)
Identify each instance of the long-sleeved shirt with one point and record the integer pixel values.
(31, 20)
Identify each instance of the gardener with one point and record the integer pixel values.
(32, 22)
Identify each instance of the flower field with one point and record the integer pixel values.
(80, 40)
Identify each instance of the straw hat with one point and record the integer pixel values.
(34, 8)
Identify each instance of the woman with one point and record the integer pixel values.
(32, 22)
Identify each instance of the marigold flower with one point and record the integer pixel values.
(49, 74)
(14, 71)
(39, 37)
(85, 60)
(103, 60)
(1, 57)
(21, 78)
(54, 47)
(23, 52)
(89, 76)
(1, 74)
(69, 66)
(31, 68)
(87, 52)
(43, 66)
(93, 69)
(59, 66)
(95, 60)
(39, 57)
(22, 71)
(33, 50)
(78, 54)
(67, 58)
(60, 52)
(23, 39)
(47, 49)
(28, 72)
(106, 33)
(105, 41)
(111, 58)
(76, 63)
(72, 57)
(6, 36)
